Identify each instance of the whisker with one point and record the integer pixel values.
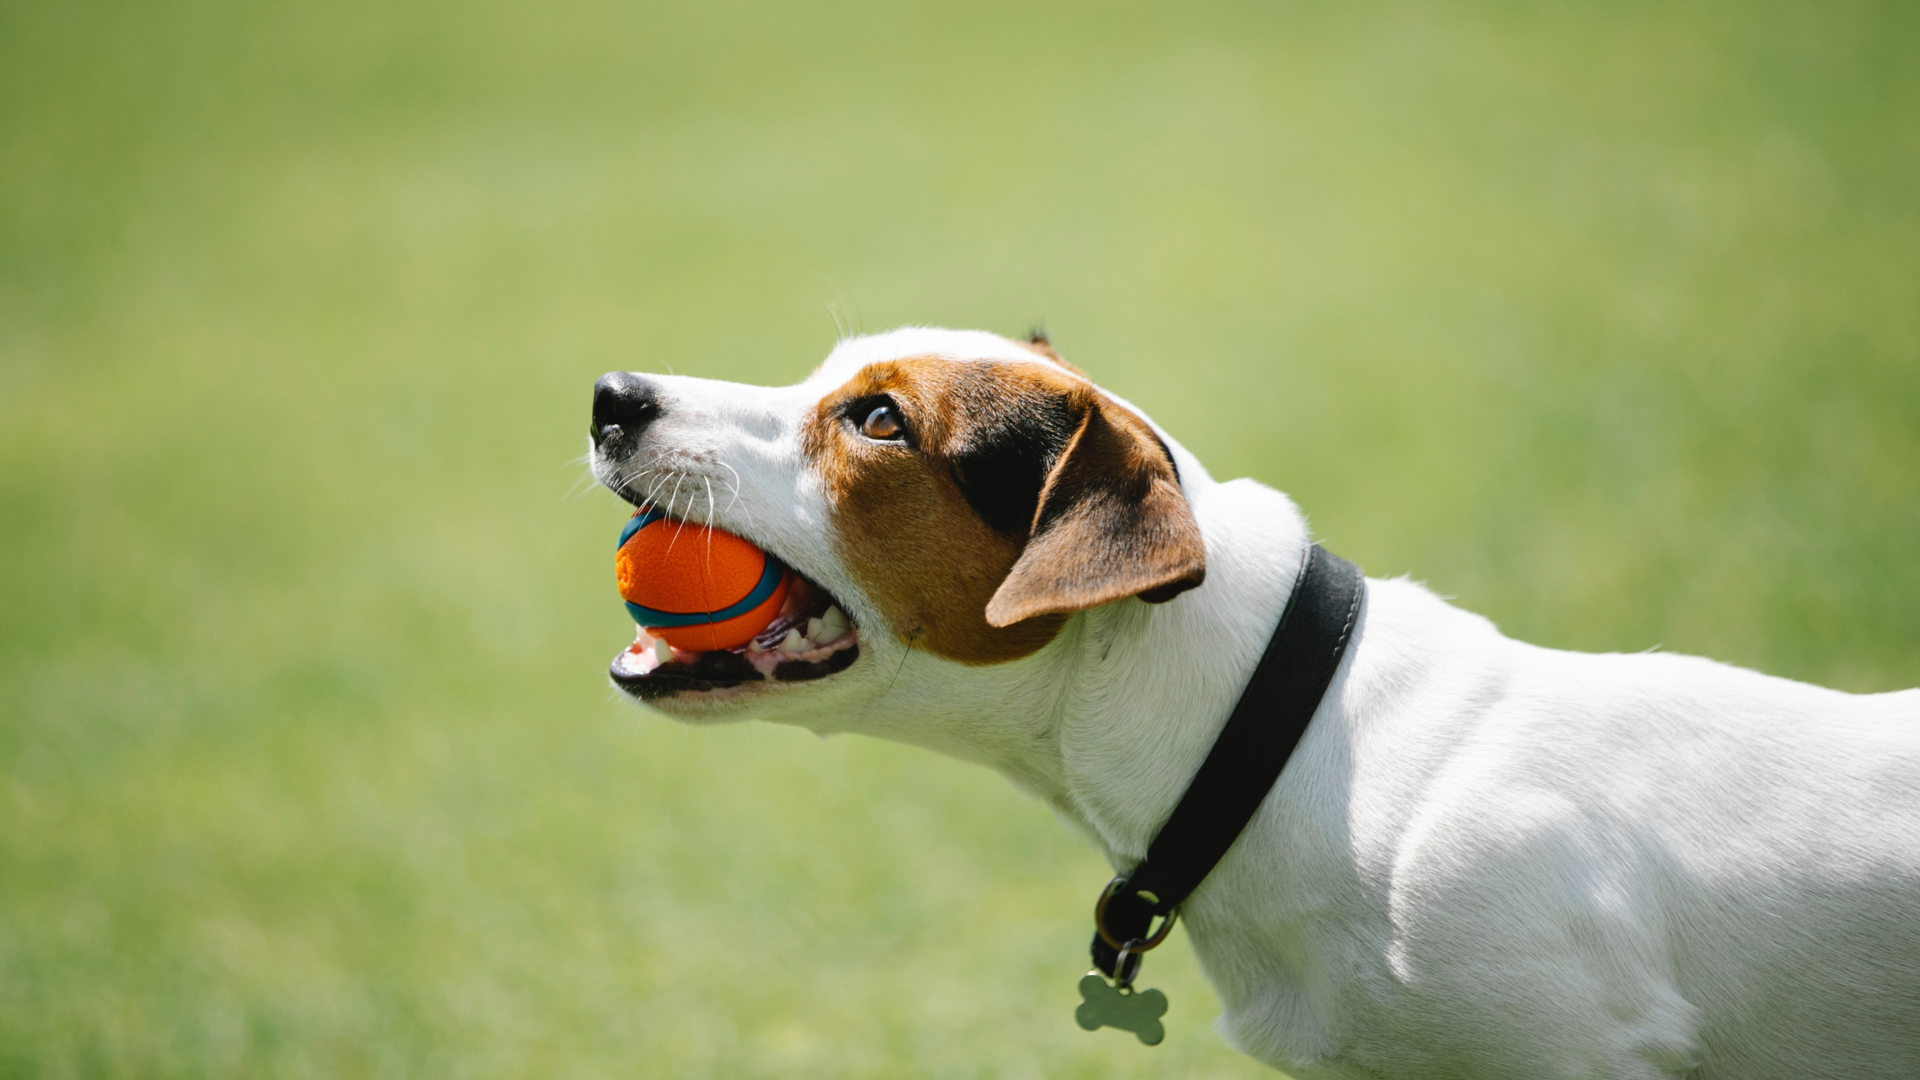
(852, 324)
(709, 522)
(679, 520)
(736, 491)
(580, 486)
(678, 479)
(902, 665)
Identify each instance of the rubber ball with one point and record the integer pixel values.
(697, 588)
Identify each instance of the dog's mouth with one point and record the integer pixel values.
(812, 637)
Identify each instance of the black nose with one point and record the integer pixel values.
(623, 405)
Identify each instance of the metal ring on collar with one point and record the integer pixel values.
(1122, 978)
(1136, 945)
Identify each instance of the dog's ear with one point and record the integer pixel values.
(1112, 523)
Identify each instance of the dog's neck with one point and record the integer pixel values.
(1151, 686)
(1110, 721)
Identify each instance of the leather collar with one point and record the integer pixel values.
(1247, 757)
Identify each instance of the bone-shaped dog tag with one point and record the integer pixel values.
(1105, 1005)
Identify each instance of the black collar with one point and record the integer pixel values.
(1246, 759)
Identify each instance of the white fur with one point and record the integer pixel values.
(1485, 859)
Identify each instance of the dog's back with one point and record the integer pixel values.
(1641, 864)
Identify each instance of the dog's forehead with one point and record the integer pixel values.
(853, 355)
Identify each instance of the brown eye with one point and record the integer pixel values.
(883, 423)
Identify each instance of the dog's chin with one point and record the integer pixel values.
(806, 642)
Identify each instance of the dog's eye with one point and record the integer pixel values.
(883, 423)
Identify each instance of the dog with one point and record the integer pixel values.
(1485, 859)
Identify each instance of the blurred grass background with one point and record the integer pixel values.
(1603, 318)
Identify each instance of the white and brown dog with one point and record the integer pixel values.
(1485, 859)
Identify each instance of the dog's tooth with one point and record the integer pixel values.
(662, 651)
(836, 619)
(816, 629)
(754, 648)
(794, 642)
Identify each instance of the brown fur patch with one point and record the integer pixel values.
(935, 526)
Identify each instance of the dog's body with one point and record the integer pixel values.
(1485, 859)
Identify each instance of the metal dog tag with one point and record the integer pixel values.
(1105, 1005)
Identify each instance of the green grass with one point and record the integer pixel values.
(1603, 318)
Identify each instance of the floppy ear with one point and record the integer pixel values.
(1112, 523)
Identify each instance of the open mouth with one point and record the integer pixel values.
(811, 637)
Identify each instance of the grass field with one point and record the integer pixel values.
(1602, 318)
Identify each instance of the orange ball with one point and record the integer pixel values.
(697, 588)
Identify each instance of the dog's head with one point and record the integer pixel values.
(959, 496)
